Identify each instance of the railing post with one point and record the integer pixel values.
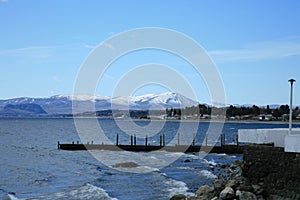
(134, 140)
(160, 140)
(178, 138)
(117, 139)
(193, 139)
(146, 140)
(131, 140)
(58, 145)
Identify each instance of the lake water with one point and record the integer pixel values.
(33, 168)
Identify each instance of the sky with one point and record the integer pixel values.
(255, 45)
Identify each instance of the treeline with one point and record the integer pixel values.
(232, 111)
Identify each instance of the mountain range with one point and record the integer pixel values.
(62, 104)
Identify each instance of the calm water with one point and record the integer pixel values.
(33, 168)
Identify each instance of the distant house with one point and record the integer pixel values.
(265, 117)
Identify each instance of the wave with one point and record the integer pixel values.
(177, 187)
(9, 197)
(133, 167)
(208, 174)
(84, 192)
(211, 162)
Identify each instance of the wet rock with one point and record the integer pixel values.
(231, 183)
(125, 165)
(227, 194)
(223, 166)
(218, 185)
(257, 189)
(178, 197)
(205, 193)
(260, 197)
(244, 195)
(245, 187)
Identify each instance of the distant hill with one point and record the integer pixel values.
(22, 110)
(62, 104)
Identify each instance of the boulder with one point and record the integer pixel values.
(178, 197)
(244, 195)
(257, 189)
(205, 193)
(218, 185)
(227, 193)
(125, 165)
(231, 183)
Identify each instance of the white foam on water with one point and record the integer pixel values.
(135, 169)
(9, 197)
(211, 162)
(208, 174)
(186, 168)
(177, 187)
(85, 192)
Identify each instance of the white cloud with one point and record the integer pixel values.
(23, 50)
(260, 51)
(89, 46)
(110, 46)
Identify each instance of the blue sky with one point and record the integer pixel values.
(254, 44)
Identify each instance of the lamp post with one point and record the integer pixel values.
(291, 106)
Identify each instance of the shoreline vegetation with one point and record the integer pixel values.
(201, 112)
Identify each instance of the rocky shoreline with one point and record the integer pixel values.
(266, 173)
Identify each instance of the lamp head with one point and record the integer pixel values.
(292, 81)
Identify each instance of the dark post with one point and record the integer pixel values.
(131, 140)
(117, 140)
(73, 142)
(58, 145)
(193, 139)
(178, 138)
(164, 142)
(134, 140)
(160, 140)
(222, 139)
(237, 141)
(146, 140)
(77, 142)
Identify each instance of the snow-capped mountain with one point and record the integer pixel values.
(62, 104)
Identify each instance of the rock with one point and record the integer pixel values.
(244, 195)
(246, 187)
(231, 183)
(205, 193)
(218, 185)
(187, 160)
(227, 193)
(257, 189)
(223, 166)
(178, 197)
(260, 197)
(125, 165)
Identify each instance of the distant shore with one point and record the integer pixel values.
(135, 119)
